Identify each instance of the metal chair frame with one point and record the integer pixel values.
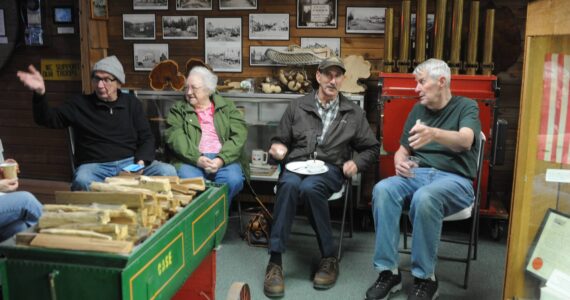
(461, 215)
(348, 208)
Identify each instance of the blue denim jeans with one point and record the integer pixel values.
(18, 211)
(314, 191)
(434, 195)
(90, 172)
(231, 174)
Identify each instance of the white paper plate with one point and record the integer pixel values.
(300, 167)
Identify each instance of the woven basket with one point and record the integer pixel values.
(298, 56)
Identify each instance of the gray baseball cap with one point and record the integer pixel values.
(332, 61)
(111, 65)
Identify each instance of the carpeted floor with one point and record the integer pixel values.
(236, 261)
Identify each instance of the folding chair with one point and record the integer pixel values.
(344, 193)
(471, 212)
(347, 208)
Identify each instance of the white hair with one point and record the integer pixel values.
(435, 69)
(210, 79)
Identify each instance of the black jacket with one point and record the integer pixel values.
(104, 131)
(348, 132)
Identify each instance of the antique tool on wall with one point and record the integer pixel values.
(487, 63)
(421, 27)
(457, 19)
(404, 61)
(439, 30)
(471, 64)
(389, 41)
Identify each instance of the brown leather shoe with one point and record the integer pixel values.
(274, 285)
(326, 275)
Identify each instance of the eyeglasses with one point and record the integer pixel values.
(193, 88)
(106, 80)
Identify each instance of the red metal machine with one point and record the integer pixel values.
(397, 96)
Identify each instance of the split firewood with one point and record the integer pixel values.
(122, 180)
(193, 180)
(76, 232)
(25, 238)
(172, 179)
(119, 230)
(81, 243)
(67, 208)
(133, 200)
(184, 199)
(106, 187)
(54, 219)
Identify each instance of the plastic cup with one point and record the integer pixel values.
(10, 170)
(413, 162)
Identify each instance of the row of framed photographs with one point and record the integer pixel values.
(195, 4)
(226, 59)
(310, 13)
(261, 26)
(100, 8)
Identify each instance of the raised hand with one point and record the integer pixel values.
(33, 80)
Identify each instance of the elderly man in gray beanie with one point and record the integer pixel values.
(110, 127)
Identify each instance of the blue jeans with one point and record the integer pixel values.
(314, 191)
(90, 172)
(18, 211)
(231, 174)
(434, 194)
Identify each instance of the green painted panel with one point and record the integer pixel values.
(156, 269)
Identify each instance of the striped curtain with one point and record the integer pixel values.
(554, 136)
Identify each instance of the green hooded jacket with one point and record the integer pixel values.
(183, 133)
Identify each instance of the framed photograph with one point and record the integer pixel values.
(317, 13)
(139, 27)
(180, 27)
(365, 19)
(63, 15)
(99, 9)
(257, 55)
(146, 56)
(222, 44)
(332, 43)
(269, 27)
(193, 4)
(150, 4)
(238, 4)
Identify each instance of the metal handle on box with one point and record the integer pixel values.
(52, 277)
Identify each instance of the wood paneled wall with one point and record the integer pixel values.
(371, 46)
(41, 152)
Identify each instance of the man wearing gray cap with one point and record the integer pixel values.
(110, 127)
(327, 125)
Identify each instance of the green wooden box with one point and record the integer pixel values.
(155, 269)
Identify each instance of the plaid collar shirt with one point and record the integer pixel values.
(328, 112)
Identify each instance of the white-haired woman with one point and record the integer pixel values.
(206, 133)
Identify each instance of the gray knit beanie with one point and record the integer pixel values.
(111, 65)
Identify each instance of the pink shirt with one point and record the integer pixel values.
(209, 143)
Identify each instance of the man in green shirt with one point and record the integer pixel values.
(441, 131)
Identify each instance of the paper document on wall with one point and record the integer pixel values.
(551, 247)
